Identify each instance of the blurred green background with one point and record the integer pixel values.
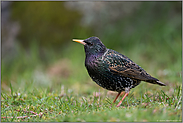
(38, 52)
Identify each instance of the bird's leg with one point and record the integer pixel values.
(126, 94)
(127, 90)
(118, 96)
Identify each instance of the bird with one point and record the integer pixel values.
(112, 70)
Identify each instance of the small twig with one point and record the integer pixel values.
(28, 112)
(6, 106)
(22, 117)
(178, 102)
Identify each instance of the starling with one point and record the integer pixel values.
(112, 70)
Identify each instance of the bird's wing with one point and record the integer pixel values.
(122, 65)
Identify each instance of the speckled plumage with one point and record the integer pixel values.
(112, 70)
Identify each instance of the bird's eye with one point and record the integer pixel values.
(90, 44)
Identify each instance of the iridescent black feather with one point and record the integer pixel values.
(112, 70)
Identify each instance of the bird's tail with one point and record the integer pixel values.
(156, 82)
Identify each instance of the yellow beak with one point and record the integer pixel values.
(79, 41)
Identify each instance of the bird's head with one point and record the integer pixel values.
(92, 45)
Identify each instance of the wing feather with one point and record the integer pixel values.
(122, 65)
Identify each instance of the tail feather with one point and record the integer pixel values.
(156, 82)
(160, 83)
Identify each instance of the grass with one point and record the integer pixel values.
(45, 93)
(67, 106)
(55, 86)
